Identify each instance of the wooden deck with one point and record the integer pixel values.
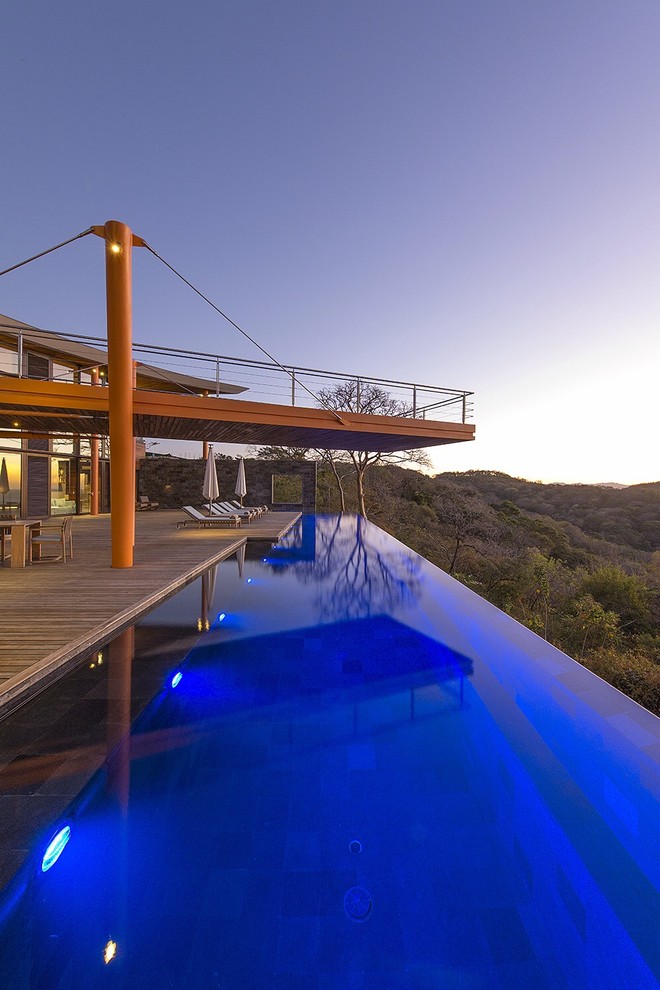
(52, 613)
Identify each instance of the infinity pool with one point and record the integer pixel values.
(364, 777)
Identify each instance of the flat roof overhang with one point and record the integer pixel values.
(37, 406)
(52, 345)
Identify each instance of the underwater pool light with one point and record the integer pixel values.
(177, 677)
(109, 951)
(249, 581)
(221, 616)
(55, 848)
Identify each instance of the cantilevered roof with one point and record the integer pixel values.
(35, 406)
(54, 346)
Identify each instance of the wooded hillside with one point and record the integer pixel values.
(630, 516)
(578, 564)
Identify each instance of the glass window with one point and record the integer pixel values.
(61, 373)
(62, 445)
(10, 487)
(85, 485)
(8, 361)
(62, 486)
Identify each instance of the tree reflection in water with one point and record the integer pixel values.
(357, 578)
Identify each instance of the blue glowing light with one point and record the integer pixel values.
(221, 616)
(177, 677)
(249, 581)
(55, 848)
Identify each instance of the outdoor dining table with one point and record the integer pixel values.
(21, 530)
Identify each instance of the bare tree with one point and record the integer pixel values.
(466, 518)
(281, 453)
(334, 459)
(363, 397)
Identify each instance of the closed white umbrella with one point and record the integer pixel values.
(241, 486)
(4, 481)
(240, 559)
(208, 592)
(210, 489)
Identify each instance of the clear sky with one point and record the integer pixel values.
(459, 192)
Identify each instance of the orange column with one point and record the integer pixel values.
(133, 513)
(120, 665)
(118, 258)
(94, 472)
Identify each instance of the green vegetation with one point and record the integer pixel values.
(578, 564)
(287, 488)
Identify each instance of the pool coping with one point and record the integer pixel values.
(24, 686)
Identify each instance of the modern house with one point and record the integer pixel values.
(53, 472)
(54, 434)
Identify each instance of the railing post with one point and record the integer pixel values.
(357, 395)
(414, 402)
(464, 407)
(19, 349)
(94, 461)
(217, 377)
(293, 386)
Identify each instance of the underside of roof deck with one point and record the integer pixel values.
(35, 406)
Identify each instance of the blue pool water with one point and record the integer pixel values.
(365, 777)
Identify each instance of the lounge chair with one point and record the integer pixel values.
(59, 533)
(221, 507)
(144, 502)
(208, 522)
(259, 509)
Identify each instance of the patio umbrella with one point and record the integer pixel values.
(210, 489)
(4, 481)
(208, 591)
(240, 559)
(241, 486)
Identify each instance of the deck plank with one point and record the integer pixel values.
(53, 612)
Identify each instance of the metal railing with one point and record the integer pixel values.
(266, 381)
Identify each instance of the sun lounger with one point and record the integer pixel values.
(233, 504)
(196, 518)
(221, 507)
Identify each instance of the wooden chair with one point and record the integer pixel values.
(5, 537)
(144, 502)
(54, 534)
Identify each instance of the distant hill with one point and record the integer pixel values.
(628, 515)
(596, 484)
(577, 564)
